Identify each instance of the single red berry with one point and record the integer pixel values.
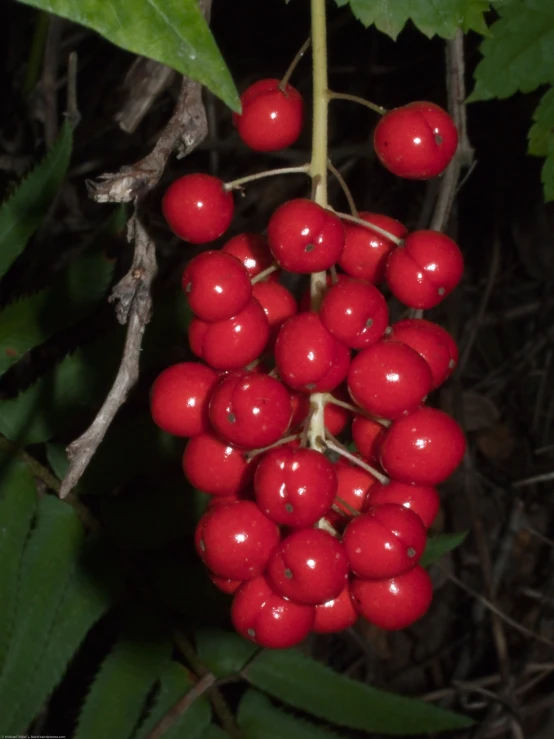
(179, 398)
(217, 286)
(365, 252)
(367, 436)
(225, 584)
(416, 141)
(421, 499)
(235, 541)
(252, 250)
(335, 615)
(425, 269)
(388, 379)
(271, 117)
(424, 448)
(262, 616)
(309, 566)
(335, 417)
(216, 467)
(304, 237)
(250, 409)
(336, 375)
(197, 208)
(430, 341)
(396, 603)
(353, 486)
(295, 487)
(355, 313)
(234, 343)
(278, 304)
(304, 351)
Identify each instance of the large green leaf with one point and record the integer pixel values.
(439, 545)
(223, 652)
(170, 31)
(24, 211)
(306, 684)
(541, 140)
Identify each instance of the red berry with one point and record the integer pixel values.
(278, 304)
(216, 467)
(396, 603)
(336, 375)
(424, 448)
(234, 343)
(388, 379)
(271, 118)
(295, 487)
(335, 418)
(262, 616)
(309, 566)
(425, 269)
(217, 286)
(304, 237)
(353, 485)
(367, 436)
(335, 615)
(305, 351)
(225, 584)
(250, 410)
(235, 541)
(179, 398)
(421, 499)
(365, 252)
(416, 141)
(197, 208)
(252, 250)
(355, 313)
(384, 542)
(432, 342)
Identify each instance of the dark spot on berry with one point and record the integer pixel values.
(411, 552)
(188, 287)
(309, 247)
(369, 323)
(310, 386)
(438, 139)
(288, 574)
(289, 508)
(251, 633)
(388, 330)
(441, 291)
(452, 364)
(231, 417)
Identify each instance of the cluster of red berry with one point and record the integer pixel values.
(306, 532)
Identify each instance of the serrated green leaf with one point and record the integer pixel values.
(258, 717)
(439, 545)
(541, 134)
(223, 652)
(306, 684)
(24, 211)
(547, 177)
(116, 699)
(47, 564)
(173, 32)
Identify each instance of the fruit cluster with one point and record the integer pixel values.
(309, 532)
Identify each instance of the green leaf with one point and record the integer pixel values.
(519, 55)
(24, 211)
(223, 652)
(118, 694)
(258, 717)
(303, 683)
(439, 545)
(173, 32)
(214, 732)
(547, 177)
(541, 134)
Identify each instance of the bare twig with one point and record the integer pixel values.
(182, 705)
(144, 83)
(49, 79)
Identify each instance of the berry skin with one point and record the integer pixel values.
(304, 237)
(309, 566)
(249, 409)
(305, 351)
(252, 250)
(235, 541)
(430, 341)
(262, 616)
(416, 141)
(271, 118)
(217, 286)
(384, 542)
(225, 584)
(355, 313)
(335, 615)
(197, 208)
(295, 487)
(179, 398)
(367, 436)
(389, 379)
(396, 603)
(278, 304)
(216, 467)
(336, 375)
(426, 269)
(353, 485)
(421, 499)
(365, 252)
(424, 448)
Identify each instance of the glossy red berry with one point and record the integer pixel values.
(304, 237)
(271, 118)
(262, 616)
(353, 486)
(295, 487)
(416, 141)
(217, 286)
(389, 379)
(430, 341)
(421, 499)
(336, 375)
(250, 409)
(355, 313)
(384, 542)
(366, 435)
(179, 398)
(424, 448)
(309, 566)
(252, 251)
(225, 584)
(425, 269)
(197, 208)
(305, 351)
(396, 603)
(335, 615)
(216, 467)
(366, 252)
(278, 304)
(235, 541)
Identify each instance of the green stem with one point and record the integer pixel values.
(34, 466)
(235, 184)
(303, 49)
(355, 99)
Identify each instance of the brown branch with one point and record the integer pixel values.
(144, 82)
(182, 705)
